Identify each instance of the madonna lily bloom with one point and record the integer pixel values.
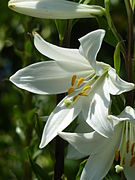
(55, 9)
(89, 84)
(102, 151)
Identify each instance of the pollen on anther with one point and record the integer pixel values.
(75, 97)
(73, 80)
(86, 87)
(70, 90)
(83, 94)
(79, 81)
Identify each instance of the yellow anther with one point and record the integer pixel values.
(83, 94)
(75, 97)
(132, 161)
(116, 155)
(73, 80)
(86, 87)
(70, 90)
(79, 81)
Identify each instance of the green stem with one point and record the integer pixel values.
(129, 52)
(112, 27)
(130, 40)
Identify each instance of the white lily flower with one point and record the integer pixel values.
(89, 84)
(102, 151)
(55, 9)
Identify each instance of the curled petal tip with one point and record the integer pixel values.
(34, 33)
(11, 6)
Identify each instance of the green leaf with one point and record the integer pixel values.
(82, 164)
(61, 28)
(39, 172)
(64, 177)
(38, 126)
(28, 47)
(117, 59)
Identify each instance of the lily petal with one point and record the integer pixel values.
(55, 9)
(96, 106)
(90, 46)
(116, 84)
(95, 168)
(68, 59)
(42, 78)
(128, 170)
(128, 114)
(85, 143)
(59, 119)
(72, 153)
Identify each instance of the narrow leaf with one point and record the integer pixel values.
(82, 164)
(117, 59)
(61, 28)
(39, 172)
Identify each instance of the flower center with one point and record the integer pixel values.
(80, 87)
(127, 147)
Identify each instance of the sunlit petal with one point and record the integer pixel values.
(42, 78)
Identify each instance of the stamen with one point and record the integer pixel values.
(86, 87)
(123, 161)
(83, 94)
(116, 155)
(73, 80)
(132, 148)
(132, 161)
(79, 81)
(127, 146)
(70, 90)
(75, 97)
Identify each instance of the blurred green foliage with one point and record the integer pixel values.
(20, 125)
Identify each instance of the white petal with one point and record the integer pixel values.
(68, 59)
(128, 114)
(42, 78)
(98, 165)
(59, 119)
(85, 143)
(116, 84)
(72, 153)
(128, 170)
(55, 9)
(96, 107)
(90, 46)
